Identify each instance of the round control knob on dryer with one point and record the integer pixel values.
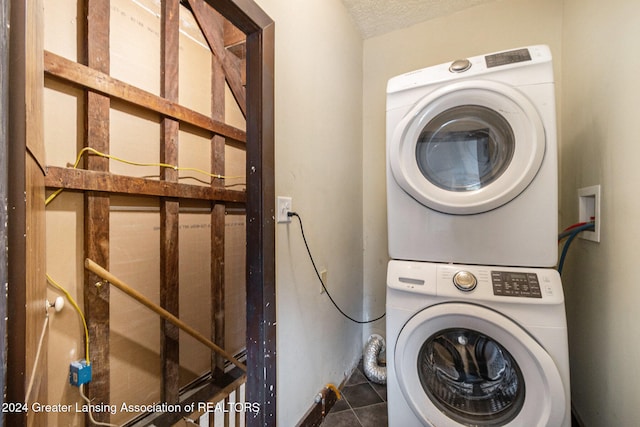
(465, 281)
(460, 65)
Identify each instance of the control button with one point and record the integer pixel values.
(465, 281)
(460, 65)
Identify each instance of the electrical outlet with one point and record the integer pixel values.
(589, 210)
(283, 207)
(323, 277)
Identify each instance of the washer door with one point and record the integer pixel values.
(468, 147)
(462, 364)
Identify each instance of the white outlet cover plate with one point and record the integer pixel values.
(594, 193)
(283, 207)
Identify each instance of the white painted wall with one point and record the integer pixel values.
(330, 151)
(600, 145)
(494, 26)
(318, 134)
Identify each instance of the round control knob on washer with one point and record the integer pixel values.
(460, 65)
(465, 281)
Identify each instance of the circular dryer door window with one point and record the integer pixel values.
(468, 147)
(465, 148)
(463, 364)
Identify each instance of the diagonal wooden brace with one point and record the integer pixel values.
(104, 274)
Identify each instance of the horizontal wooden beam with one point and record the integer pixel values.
(81, 179)
(57, 66)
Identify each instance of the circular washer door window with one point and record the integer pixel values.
(468, 147)
(471, 377)
(464, 364)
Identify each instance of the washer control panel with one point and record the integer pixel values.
(515, 284)
(510, 285)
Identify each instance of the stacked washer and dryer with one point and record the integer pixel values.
(476, 327)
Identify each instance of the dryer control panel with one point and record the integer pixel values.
(509, 57)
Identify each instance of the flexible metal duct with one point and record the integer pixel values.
(372, 368)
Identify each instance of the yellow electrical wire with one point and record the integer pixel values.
(53, 196)
(75, 305)
(162, 165)
(130, 162)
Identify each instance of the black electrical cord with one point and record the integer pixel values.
(290, 214)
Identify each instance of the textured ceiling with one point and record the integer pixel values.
(375, 17)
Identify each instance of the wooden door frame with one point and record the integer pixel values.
(4, 182)
(261, 291)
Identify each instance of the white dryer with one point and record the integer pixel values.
(476, 346)
(472, 162)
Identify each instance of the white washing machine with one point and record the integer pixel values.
(472, 163)
(476, 346)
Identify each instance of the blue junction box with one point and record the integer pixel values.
(79, 373)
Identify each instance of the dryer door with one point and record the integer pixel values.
(462, 364)
(468, 147)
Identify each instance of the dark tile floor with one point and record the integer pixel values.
(363, 404)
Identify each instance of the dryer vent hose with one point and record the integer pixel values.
(371, 362)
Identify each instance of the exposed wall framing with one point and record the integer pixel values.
(31, 177)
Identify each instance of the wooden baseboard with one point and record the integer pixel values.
(316, 414)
